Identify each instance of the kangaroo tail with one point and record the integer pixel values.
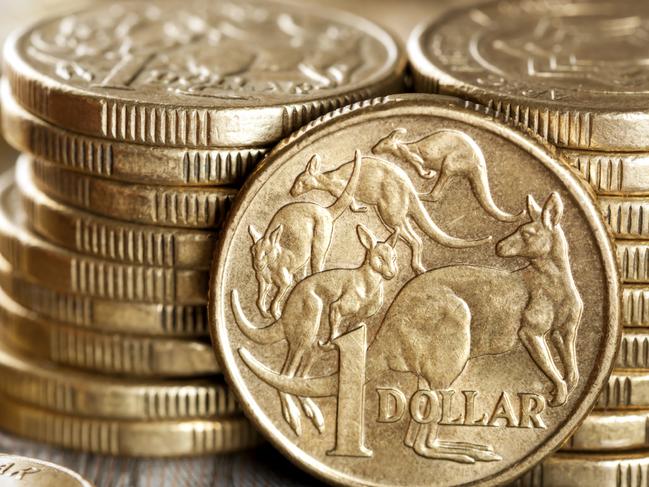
(305, 387)
(347, 196)
(265, 336)
(423, 220)
(480, 184)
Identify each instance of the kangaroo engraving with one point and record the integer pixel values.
(320, 308)
(298, 233)
(445, 155)
(386, 187)
(445, 317)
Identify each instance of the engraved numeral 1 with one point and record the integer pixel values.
(125, 72)
(350, 418)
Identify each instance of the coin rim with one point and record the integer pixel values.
(443, 107)
(83, 482)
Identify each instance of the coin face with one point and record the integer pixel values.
(410, 293)
(199, 73)
(17, 471)
(575, 72)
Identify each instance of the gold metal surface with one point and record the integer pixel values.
(175, 206)
(198, 73)
(633, 258)
(71, 272)
(18, 471)
(626, 389)
(122, 161)
(611, 431)
(111, 353)
(573, 72)
(635, 306)
(449, 318)
(77, 393)
(106, 238)
(132, 438)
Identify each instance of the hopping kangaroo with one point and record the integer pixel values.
(320, 308)
(443, 318)
(387, 187)
(447, 154)
(298, 232)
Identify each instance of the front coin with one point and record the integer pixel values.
(410, 293)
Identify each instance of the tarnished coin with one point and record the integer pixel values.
(106, 238)
(611, 431)
(612, 173)
(72, 272)
(131, 438)
(123, 161)
(174, 206)
(27, 333)
(592, 470)
(574, 72)
(18, 471)
(626, 389)
(104, 315)
(199, 73)
(77, 393)
(449, 315)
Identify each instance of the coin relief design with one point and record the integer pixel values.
(200, 73)
(17, 471)
(429, 291)
(553, 66)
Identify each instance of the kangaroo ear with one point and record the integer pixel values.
(393, 239)
(314, 165)
(367, 238)
(254, 234)
(398, 132)
(552, 211)
(276, 234)
(533, 208)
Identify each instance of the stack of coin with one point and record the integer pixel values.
(573, 73)
(138, 124)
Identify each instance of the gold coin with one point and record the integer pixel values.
(174, 206)
(449, 318)
(591, 470)
(634, 350)
(129, 438)
(79, 393)
(574, 72)
(199, 73)
(104, 314)
(626, 389)
(611, 431)
(625, 216)
(29, 334)
(635, 306)
(18, 471)
(123, 161)
(612, 173)
(72, 272)
(633, 258)
(110, 239)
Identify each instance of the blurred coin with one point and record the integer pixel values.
(122, 161)
(70, 272)
(425, 320)
(104, 315)
(633, 258)
(27, 333)
(77, 393)
(18, 471)
(612, 173)
(626, 389)
(129, 438)
(573, 72)
(611, 431)
(106, 238)
(588, 469)
(199, 73)
(634, 350)
(174, 206)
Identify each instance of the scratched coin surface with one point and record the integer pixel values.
(573, 71)
(199, 73)
(410, 293)
(18, 471)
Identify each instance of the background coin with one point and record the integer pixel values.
(611, 431)
(16, 471)
(404, 240)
